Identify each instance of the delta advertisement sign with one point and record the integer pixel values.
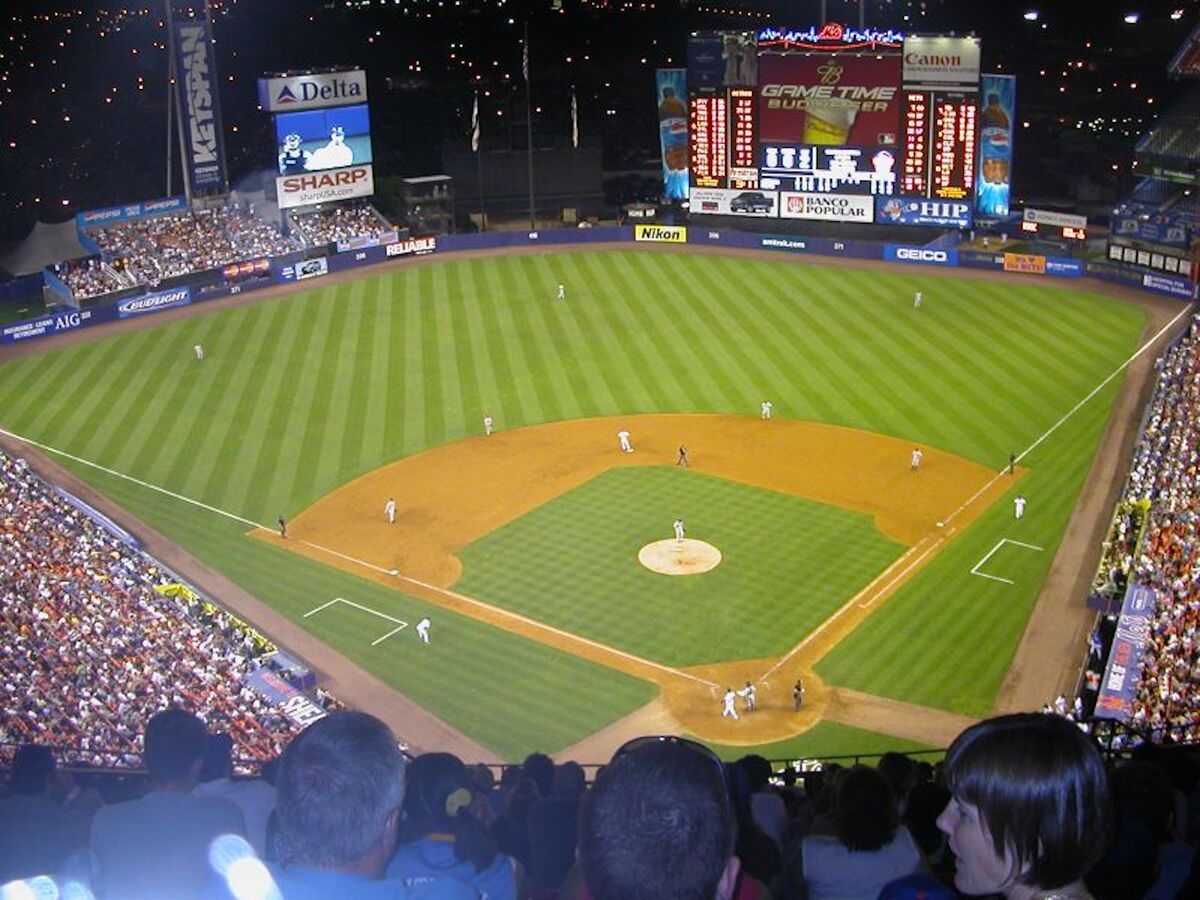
(936, 63)
(931, 213)
(829, 100)
(292, 93)
(826, 207)
(324, 187)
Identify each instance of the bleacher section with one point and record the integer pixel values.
(356, 222)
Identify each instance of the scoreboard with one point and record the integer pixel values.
(709, 150)
(743, 138)
(954, 136)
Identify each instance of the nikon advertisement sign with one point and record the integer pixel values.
(292, 93)
(668, 234)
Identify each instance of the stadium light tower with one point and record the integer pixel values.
(1032, 15)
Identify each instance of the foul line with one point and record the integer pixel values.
(401, 625)
(941, 539)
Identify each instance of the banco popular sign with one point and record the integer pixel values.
(324, 187)
(827, 207)
(298, 92)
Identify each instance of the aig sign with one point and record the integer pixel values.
(198, 100)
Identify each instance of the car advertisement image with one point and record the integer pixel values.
(726, 202)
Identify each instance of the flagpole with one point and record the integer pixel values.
(529, 126)
(575, 152)
(478, 161)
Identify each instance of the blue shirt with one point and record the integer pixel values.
(430, 863)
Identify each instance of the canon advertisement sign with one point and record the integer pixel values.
(298, 92)
(940, 63)
(324, 187)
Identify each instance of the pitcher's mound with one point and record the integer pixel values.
(686, 557)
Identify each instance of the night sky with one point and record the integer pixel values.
(84, 84)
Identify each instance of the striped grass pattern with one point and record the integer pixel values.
(298, 395)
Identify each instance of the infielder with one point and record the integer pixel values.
(487, 426)
(916, 459)
(917, 300)
(623, 437)
(1019, 506)
(389, 510)
(750, 695)
(423, 630)
(199, 351)
(683, 457)
(765, 409)
(562, 292)
(679, 532)
(282, 523)
(729, 709)
(798, 694)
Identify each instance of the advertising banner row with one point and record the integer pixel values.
(112, 214)
(825, 207)
(289, 270)
(1124, 669)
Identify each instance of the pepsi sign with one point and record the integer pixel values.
(292, 93)
(932, 213)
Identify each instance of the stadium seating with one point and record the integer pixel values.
(91, 649)
(153, 249)
(341, 223)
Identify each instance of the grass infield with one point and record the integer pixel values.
(299, 395)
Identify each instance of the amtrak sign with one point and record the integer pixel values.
(291, 93)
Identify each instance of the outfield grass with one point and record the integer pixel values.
(299, 395)
(787, 564)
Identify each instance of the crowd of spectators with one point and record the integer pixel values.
(87, 278)
(1165, 480)
(150, 250)
(1022, 807)
(97, 637)
(341, 223)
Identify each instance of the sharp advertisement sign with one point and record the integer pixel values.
(293, 93)
(324, 187)
(203, 138)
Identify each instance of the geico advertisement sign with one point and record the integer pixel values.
(826, 207)
(671, 234)
(312, 91)
(324, 187)
(417, 246)
(924, 255)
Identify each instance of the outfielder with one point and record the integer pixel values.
(1019, 506)
(199, 351)
(562, 292)
(917, 300)
(765, 409)
(487, 426)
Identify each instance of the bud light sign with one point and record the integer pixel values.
(149, 303)
(933, 213)
(197, 85)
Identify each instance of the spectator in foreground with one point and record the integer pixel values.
(442, 839)
(869, 848)
(38, 834)
(157, 846)
(658, 823)
(1029, 812)
(255, 797)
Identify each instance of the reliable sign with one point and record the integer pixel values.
(324, 187)
(197, 83)
(297, 92)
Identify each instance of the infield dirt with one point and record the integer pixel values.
(449, 496)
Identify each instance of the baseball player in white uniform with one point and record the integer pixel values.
(389, 510)
(765, 409)
(623, 437)
(729, 709)
(917, 300)
(750, 695)
(423, 630)
(916, 459)
(1019, 506)
(199, 351)
(679, 532)
(487, 426)
(562, 292)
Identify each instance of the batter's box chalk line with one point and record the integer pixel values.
(400, 624)
(1003, 541)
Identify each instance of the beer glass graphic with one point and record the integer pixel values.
(829, 122)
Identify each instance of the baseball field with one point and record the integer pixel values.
(899, 595)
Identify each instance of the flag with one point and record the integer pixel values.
(574, 121)
(525, 59)
(475, 126)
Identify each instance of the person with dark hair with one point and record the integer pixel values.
(540, 768)
(658, 823)
(766, 805)
(255, 797)
(443, 841)
(1029, 813)
(869, 848)
(38, 835)
(157, 846)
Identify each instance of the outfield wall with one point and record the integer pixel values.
(296, 267)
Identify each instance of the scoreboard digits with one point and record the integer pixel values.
(707, 116)
(913, 178)
(954, 147)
